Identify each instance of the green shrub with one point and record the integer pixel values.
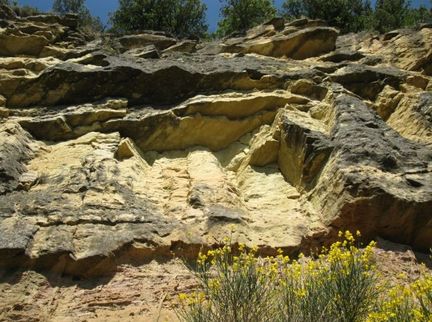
(358, 15)
(406, 303)
(234, 288)
(340, 284)
(347, 15)
(26, 11)
(183, 18)
(240, 15)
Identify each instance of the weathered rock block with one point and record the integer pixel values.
(299, 44)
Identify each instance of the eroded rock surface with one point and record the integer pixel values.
(160, 146)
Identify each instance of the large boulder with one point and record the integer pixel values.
(368, 81)
(292, 42)
(310, 42)
(12, 44)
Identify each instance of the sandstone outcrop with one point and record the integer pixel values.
(298, 40)
(157, 146)
(29, 36)
(405, 49)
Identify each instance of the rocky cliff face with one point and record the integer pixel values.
(125, 149)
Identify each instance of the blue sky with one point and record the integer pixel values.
(102, 8)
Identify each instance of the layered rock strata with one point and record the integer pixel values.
(156, 147)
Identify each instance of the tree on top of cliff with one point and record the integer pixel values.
(418, 16)
(182, 18)
(21, 11)
(67, 6)
(393, 14)
(390, 14)
(347, 15)
(240, 15)
(358, 15)
(87, 21)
